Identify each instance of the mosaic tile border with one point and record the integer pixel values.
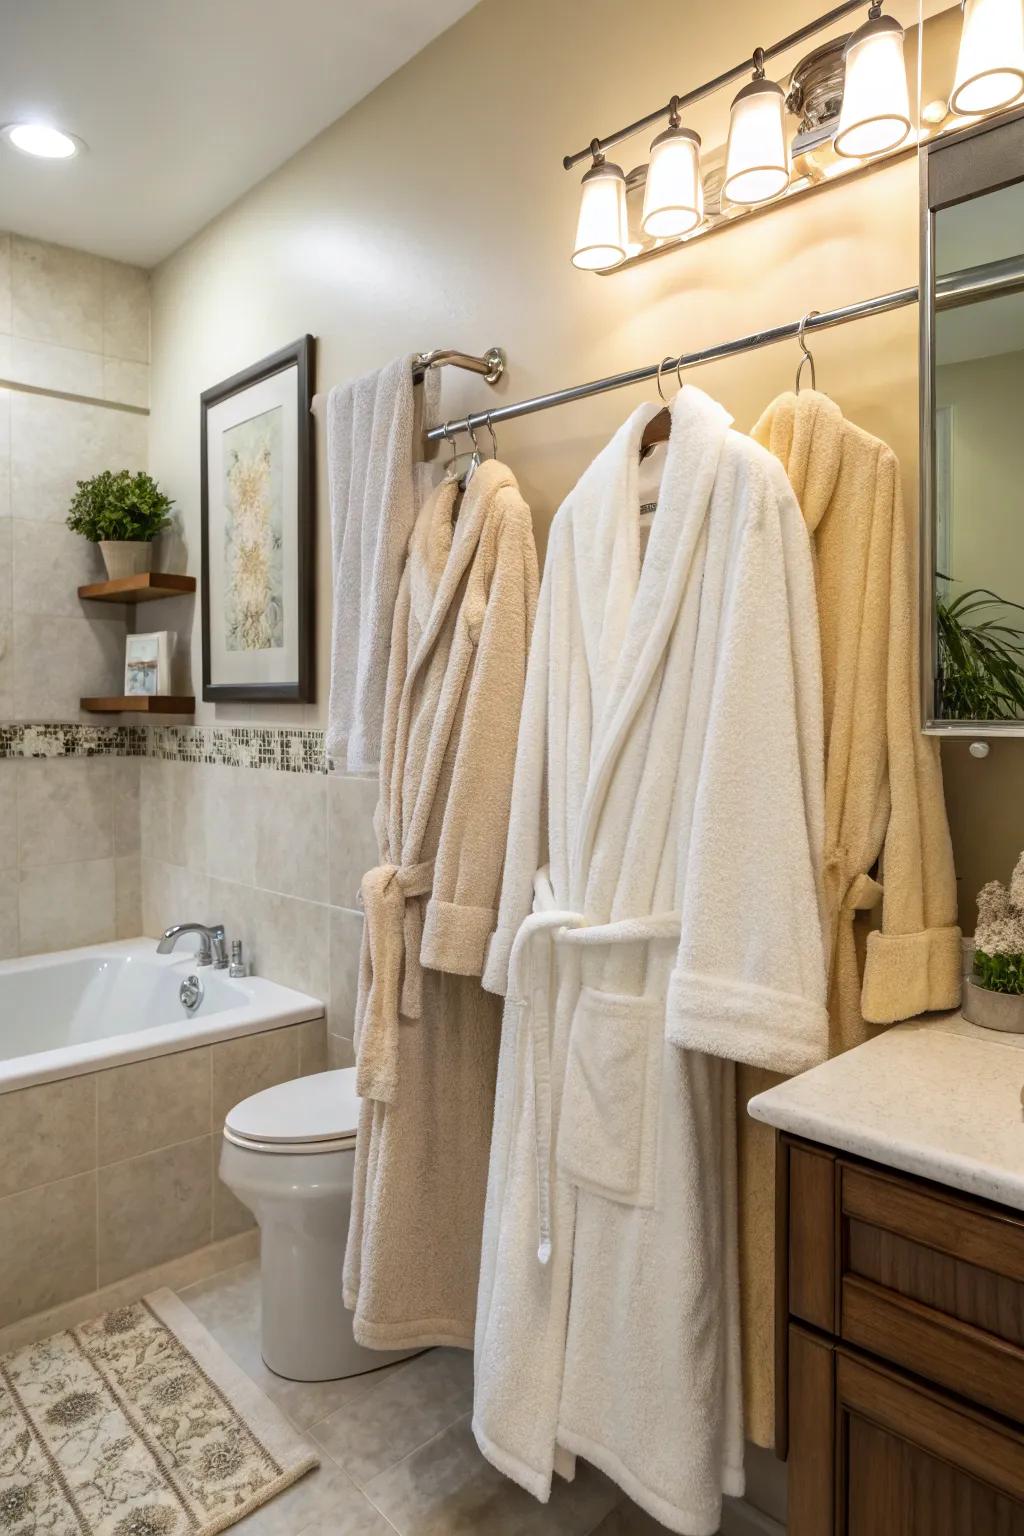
(286, 749)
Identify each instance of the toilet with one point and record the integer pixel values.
(288, 1154)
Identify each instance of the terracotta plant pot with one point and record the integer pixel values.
(993, 1010)
(126, 557)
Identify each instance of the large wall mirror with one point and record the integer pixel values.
(972, 447)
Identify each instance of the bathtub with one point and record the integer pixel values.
(112, 1105)
(86, 1009)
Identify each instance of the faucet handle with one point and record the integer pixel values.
(218, 943)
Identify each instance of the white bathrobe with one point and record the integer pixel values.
(660, 911)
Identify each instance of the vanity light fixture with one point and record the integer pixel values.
(990, 64)
(601, 231)
(42, 141)
(875, 115)
(757, 159)
(674, 195)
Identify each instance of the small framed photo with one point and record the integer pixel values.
(147, 664)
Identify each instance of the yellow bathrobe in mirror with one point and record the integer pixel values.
(427, 1033)
(884, 804)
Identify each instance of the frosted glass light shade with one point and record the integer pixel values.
(990, 64)
(601, 230)
(875, 115)
(757, 162)
(674, 196)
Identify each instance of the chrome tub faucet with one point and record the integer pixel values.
(212, 947)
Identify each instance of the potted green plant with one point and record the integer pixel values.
(122, 512)
(994, 994)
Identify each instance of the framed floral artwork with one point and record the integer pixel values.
(258, 486)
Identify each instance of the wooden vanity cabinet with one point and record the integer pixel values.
(901, 1352)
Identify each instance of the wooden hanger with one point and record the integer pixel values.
(659, 428)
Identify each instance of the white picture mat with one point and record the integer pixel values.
(282, 664)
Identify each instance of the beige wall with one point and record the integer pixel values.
(436, 213)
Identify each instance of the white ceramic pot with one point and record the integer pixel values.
(993, 1010)
(126, 557)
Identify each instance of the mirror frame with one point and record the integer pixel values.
(955, 168)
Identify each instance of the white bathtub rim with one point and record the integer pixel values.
(268, 1006)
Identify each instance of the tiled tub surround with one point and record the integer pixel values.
(108, 1180)
(71, 324)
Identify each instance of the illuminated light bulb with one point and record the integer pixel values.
(990, 64)
(757, 162)
(875, 115)
(601, 231)
(40, 140)
(673, 196)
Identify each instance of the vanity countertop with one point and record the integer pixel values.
(939, 1098)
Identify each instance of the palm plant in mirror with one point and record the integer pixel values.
(980, 656)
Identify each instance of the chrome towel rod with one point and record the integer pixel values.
(491, 366)
(974, 283)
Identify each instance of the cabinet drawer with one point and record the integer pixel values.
(934, 1283)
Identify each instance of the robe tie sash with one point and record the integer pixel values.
(391, 979)
(529, 990)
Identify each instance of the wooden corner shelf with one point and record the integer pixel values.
(147, 587)
(142, 704)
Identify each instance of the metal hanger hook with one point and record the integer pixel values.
(447, 432)
(494, 440)
(805, 349)
(661, 365)
(472, 434)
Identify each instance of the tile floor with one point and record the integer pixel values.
(396, 1451)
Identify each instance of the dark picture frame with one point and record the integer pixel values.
(300, 356)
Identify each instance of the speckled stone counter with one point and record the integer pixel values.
(938, 1098)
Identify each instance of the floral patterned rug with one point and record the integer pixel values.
(137, 1424)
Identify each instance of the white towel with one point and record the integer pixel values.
(371, 452)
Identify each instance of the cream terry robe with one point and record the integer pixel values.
(660, 911)
(883, 798)
(427, 1033)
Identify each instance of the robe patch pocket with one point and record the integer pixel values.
(608, 1128)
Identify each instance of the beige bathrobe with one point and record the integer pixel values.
(883, 798)
(427, 1034)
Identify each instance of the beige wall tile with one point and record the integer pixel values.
(56, 442)
(312, 1047)
(57, 294)
(127, 383)
(285, 939)
(61, 906)
(229, 819)
(172, 823)
(125, 788)
(249, 1064)
(50, 564)
(171, 894)
(154, 1208)
(65, 810)
(128, 896)
(57, 662)
(5, 284)
(8, 812)
(346, 941)
(340, 1053)
(151, 1104)
(48, 1242)
(125, 312)
(352, 842)
(47, 366)
(230, 1216)
(9, 947)
(291, 834)
(47, 1132)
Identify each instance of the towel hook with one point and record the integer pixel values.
(661, 365)
(474, 463)
(450, 466)
(805, 349)
(494, 440)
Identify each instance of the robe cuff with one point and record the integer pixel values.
(499, 953)
(455, 937)
(783, 1031)
(910, 973)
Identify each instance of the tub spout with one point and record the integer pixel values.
(212, 947)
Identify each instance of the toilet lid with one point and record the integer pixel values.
(322, 1107)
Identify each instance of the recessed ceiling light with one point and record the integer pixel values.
(41, 140)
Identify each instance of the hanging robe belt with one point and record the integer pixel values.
(529, 988)
(392, 979)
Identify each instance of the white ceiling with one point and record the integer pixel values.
(184, 104)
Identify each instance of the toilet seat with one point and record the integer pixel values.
(315, 1114)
